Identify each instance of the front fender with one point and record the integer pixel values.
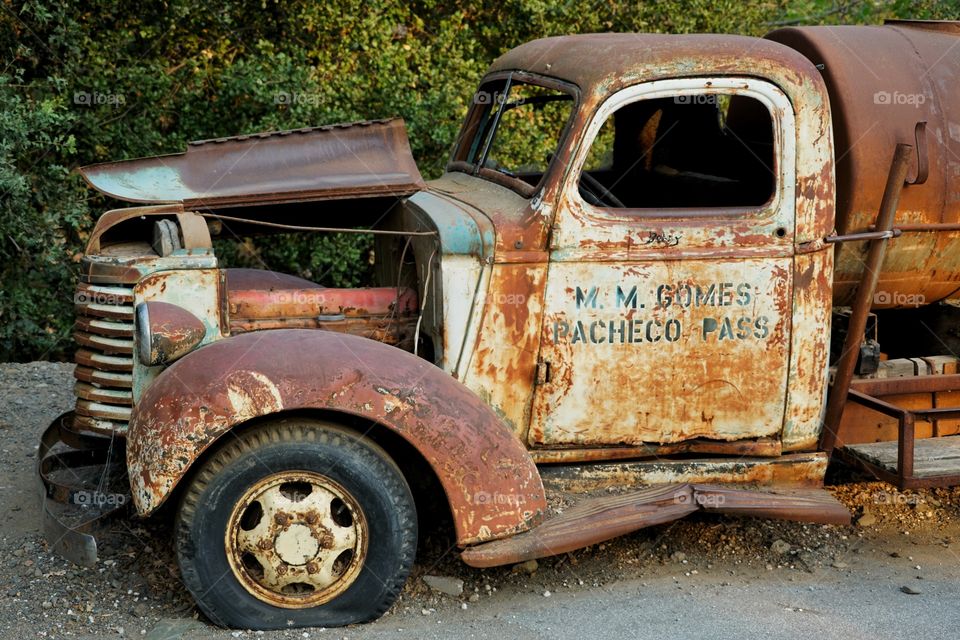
(492, 486)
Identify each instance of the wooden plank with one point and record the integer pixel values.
(932, 456)
(861, 424)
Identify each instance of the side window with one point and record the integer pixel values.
(692, 150)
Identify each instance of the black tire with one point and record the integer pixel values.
(225, 583)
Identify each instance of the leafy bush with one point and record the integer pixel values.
(105, 80)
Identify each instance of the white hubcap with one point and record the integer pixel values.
(296, 545)
(296, 539)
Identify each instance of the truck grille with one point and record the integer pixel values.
(104, 369)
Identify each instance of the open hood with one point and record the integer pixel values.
(361, 159)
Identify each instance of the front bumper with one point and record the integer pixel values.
(83, 483)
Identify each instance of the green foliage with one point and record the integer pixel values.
(336, 260)
(85, 82)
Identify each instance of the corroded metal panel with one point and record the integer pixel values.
(664, 328)
(793, 469)
(587, 522)
(197, 291)
(502, 367)
(664, 351)
(285, 302)
(337, 161)
(520, 225)
(755, 447)
(385, 314)
(491, 485)
(601, 518)
(459, 272)
(809, 350)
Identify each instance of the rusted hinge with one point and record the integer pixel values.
(542, 374)
(553, 242)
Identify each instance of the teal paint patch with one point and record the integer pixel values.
(142, 184)
(459, 232)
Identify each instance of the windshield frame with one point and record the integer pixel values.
(469, 131)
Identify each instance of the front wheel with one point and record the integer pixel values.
(296, 523)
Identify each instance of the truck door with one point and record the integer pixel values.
(668, 296)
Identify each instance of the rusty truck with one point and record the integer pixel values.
(661, 274)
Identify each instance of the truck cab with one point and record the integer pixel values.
(654, 213)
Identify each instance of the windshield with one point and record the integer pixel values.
(513, 132)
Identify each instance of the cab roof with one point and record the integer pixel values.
(606, 62)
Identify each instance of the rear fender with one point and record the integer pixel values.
(491, 484)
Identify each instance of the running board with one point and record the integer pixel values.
(599, 519)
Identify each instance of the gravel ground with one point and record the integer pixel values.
(895, 574)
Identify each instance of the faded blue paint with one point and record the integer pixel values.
(459, 232)
(157, 184)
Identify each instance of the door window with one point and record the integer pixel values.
(694, 150)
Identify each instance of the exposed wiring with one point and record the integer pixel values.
(423, 303)
(396, 305)
(294, 227)
(403, 256)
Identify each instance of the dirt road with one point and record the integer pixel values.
(894, 575)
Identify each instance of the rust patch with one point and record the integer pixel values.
(502, 369)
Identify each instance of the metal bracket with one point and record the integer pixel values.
(865, 235)
(923, 159)
(542, 374)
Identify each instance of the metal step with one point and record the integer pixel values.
(599, 519)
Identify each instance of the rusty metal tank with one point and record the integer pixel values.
(882, 81)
